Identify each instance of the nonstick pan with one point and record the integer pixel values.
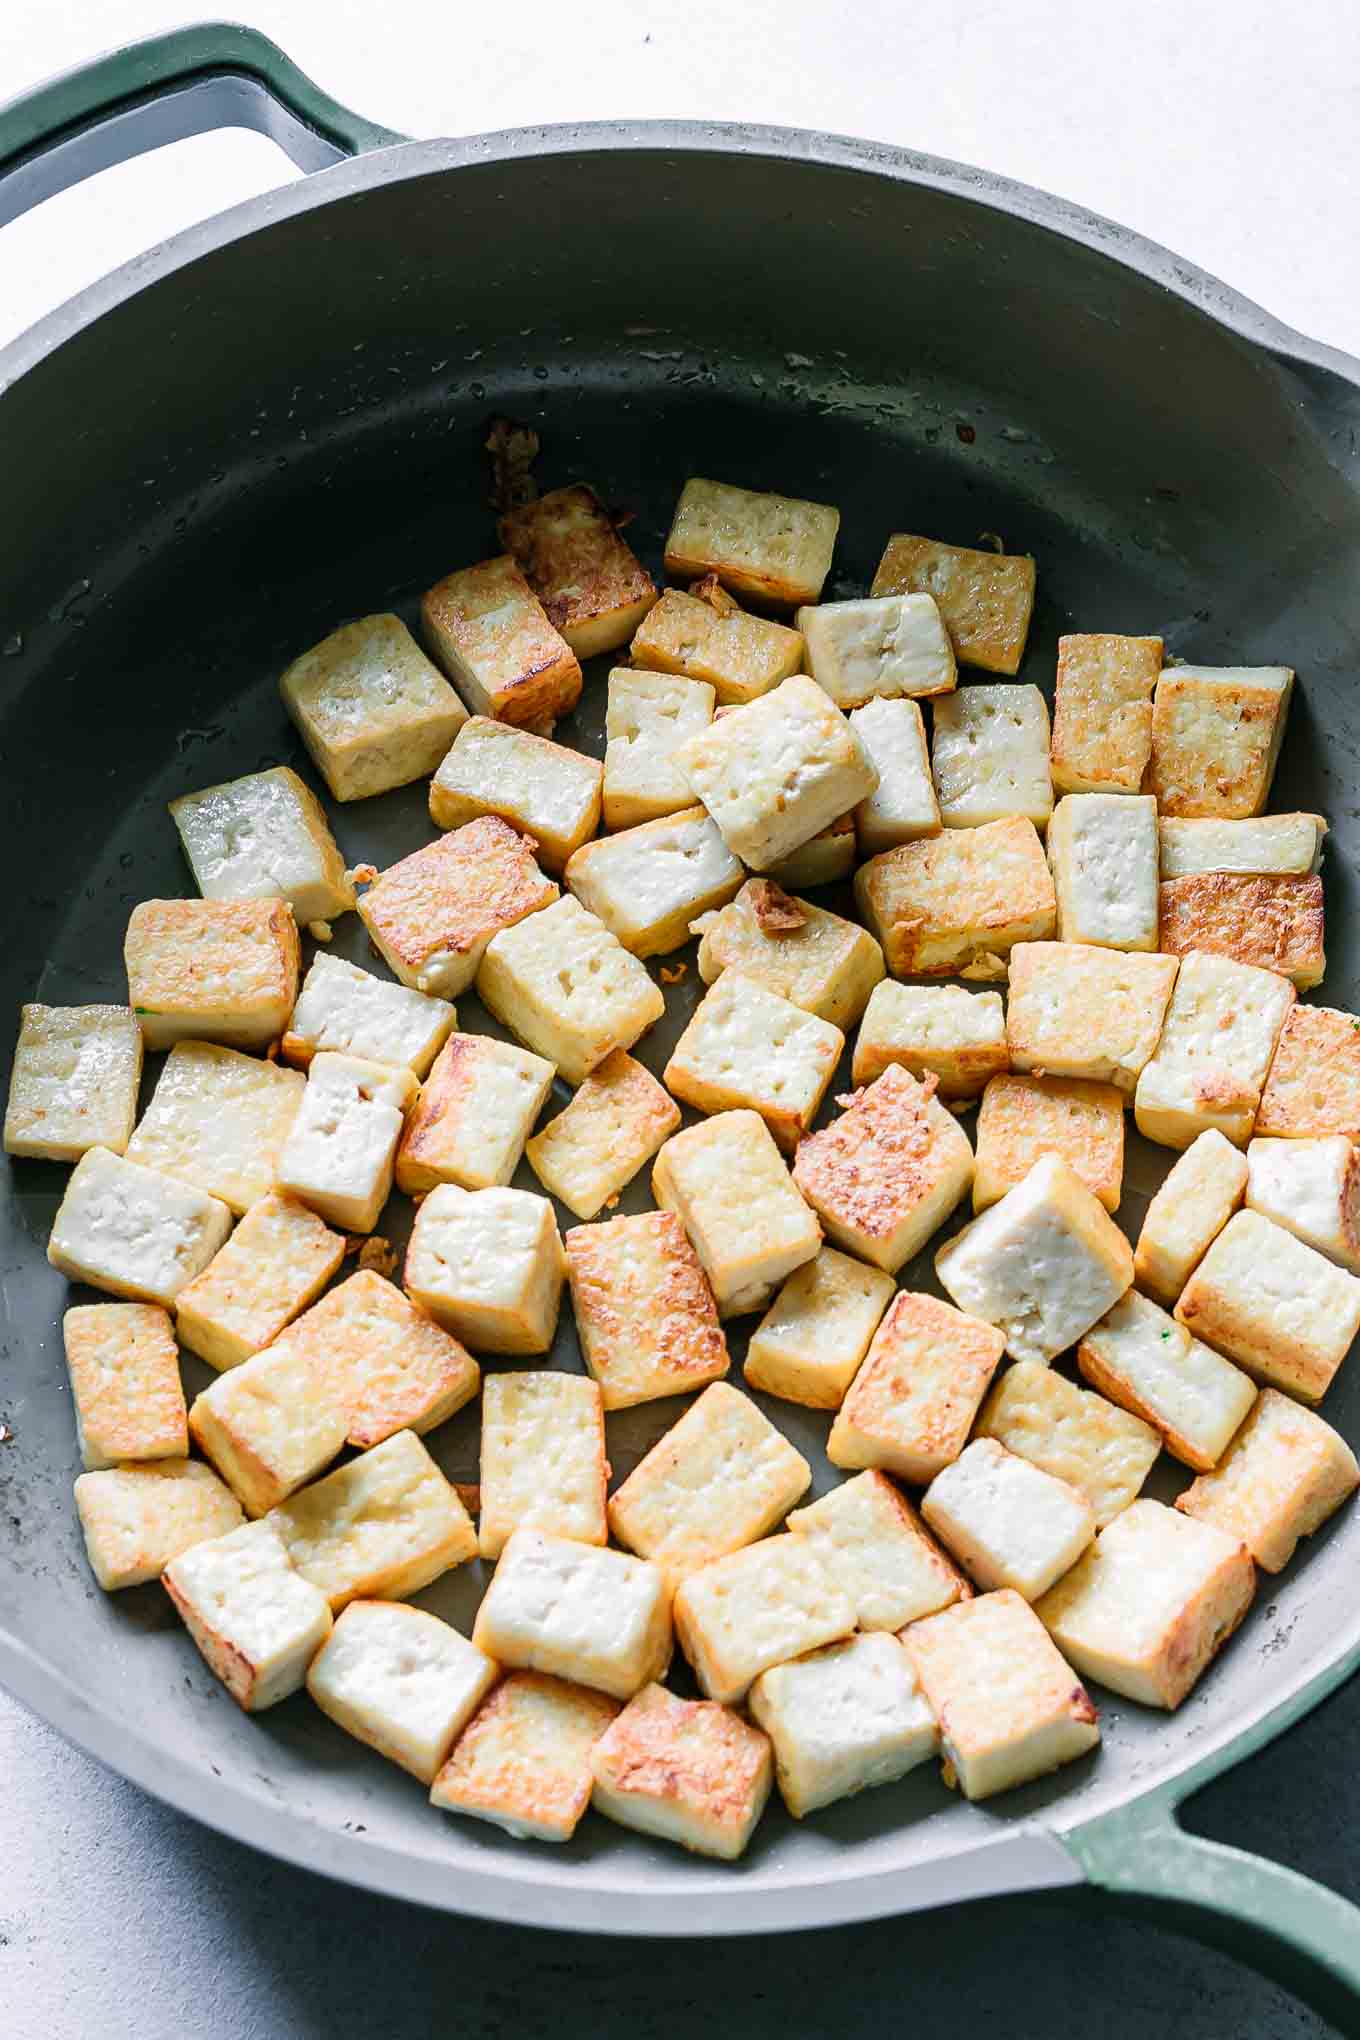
(273, 423)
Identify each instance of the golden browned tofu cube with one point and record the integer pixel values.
(648, 884)
(432, 915)
(1147, 1363)
(371, 709)
(985, 598)
(566, 985)
(888, 648)
(911, 1406)
(650, 715)
(135, 1519)
(476, 1109)
(379, 1528)
(264, 837)
(990, 755)
(133, 1231)
(746, 1048)
(944, 1031)
(271, 1424)
(547, 792)
(776, 547)
(257, 1623)
(74, 1081)
(491, 634)
(1077, 1010)
(592, 587)
(523, 1761)
(871, 1538)
(543, 1464)
(726, 1182)
(1196, 1199)
(737, 655)
(1102, 711)
(885, 1175)
(401, 1681)
(1021, 1118)
(125, 1385)
(817, 960)
(219, 1120)
(615, 1123)
(278, 1260)
(1276, 1306)
(1216, 734)
(645, 1315)
(688, 1770)
(225, 969)
(488, 1266)
(579, 1612)
(810, 1342)
(843, 1718)
(956, 903)
(1313, 1084)
(1217, 1041)
(751, 1609)
(1104, 1453)
(1274, 923)
(1283, 1475)
(825, 859)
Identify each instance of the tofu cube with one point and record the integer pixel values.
(1010, 1707)
(1313, 1084)
(1274, 923)
(817, 960)
(911, 1406)
(1221, 1028)
(647, 884)
(990, 756)
(1104, 853)
(776, 547)
(845, 1718)
(955, 903)
(1007, 1522)
(1076, 1010)
(543, 1463)
(985, 598)
(348, 1011)
(825, 859)
(1282, 1476)
(1278, 1307)
(1050, 1221)
(1144, 1361)
(1022, 1118)
(544, 790)
(371, 709)
(492, 636)
(125, 1385)
(720, 1478)
(872, 1540)
(431, 916)
(1197, 1198)
(74, 1082)
(903, 806)
(270, 1425)
(885, 1175)
(687, 1770)
(475, 1111)
(523, 1761)
(401, 1681)
(132, 1231)
(944, 1031)
(1103, 1452)
(598, 1617)
(488, 1266)
(746, 1047)
(224, 969)
(645, 1315)
(592, 587)
(380, 1527)
(1312, 1189)
(740, 1614)
(1216, 734)
(257, 1623)
(264, 837)
(727, 1184)
(568, 988)
(649, 716)
(885, 648)
(135, 1519)
(1102, 711)
(219, 1120)
(278, 1260)
(809, 1345)
(1269, 845)
(614, 1124)
(339, 1155)
(718, 646)
(1148, 1606)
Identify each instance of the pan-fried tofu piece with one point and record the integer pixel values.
(1283, 1475)
(543, 1464)
(903, 807)
(219, 1120)
(645, 1315)
(488, 1266)
(1102, 711)
(1147, 1607)
(1042, 1265)
(568, 988)
(1221, 1028)
(1103, 850)
(650, 715)
(1021, 1118)
(688, 1770)
(401, 1681)
(1267, 844)
(885, 1175)
(224, 969)
(717, 1480)
(599, 1617)
(132, 1231)
(1006, 1521)
(825, 859)
(592, 587)
(647, 884)
(264, 837)
(1077, 1010)
(1216, 734)
(883, 648)
(1186, 1215)
(371, 709)
(847, 1717)
(1312, 1189)
(1104, 1453)
(135, 1519)
(1278, 1307)
(1313, 1085)
(776, 547)
(348, 1011)
(872, 1540)
(952, 904)
(476, 1109)
(125, 1385)
(738, 656)
(1144, 1361)
(523, 1761)
(1009, 1706)
(739, 1615)
(491, 635)
(747, 1047)
(379, 1528)
(544, 790)
(810, 1342)
(911, 1406)
(431, 916)
(615, 1123)
(339, 1154)
(278, 1260)
(944, 1031)
(727, 1184)
(818, 960)
(74, 1081)
(271, 1424)
(1274, 923)
(985, 598)
(257, 1623)
(990, 756)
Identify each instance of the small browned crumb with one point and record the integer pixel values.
(320, 931)
(611, 1202)
(272, 1053)
(711, 590)
(513, 450)
(469, 1493)
(987, 968)
(378, 1254)
(775, 912)
(673, 974)
(362, 874)
(991, 541)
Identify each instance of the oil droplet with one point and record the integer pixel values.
(13, 645)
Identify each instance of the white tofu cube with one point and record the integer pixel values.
(547, 792)
(133, 1231)
(379, 1528)
(1197, 1198)
(1076, 1010)
(740, 1614)
(708, 639)
(808, 1346)
(543, 1464)
(944, 1031)
(1313, 1086)
(371, 709)
(224, 969)
(491, 634)
(845, 1718)
(135, 1519)
(257, 1623)
(1007, 1522)
(775, 547)
(647, 884)
(74, 1081)
(819, 961)
(885, 1175)
(475, 1111)
(1102, 711)
(990, 756)
(1216, 734)
(1278, 1307)
(1220, 1034)
(568, 988)
(348, 1011)
(1283, 1475)
(278, 1260)
(523, 1761)
(1103, 1452)
(264, 837)
(591, 586)
(270, 1425)
(883, 648)
(689, 1771)
(1312, 1189)
(488, 1266)
(431, 916)
(599, 1617)
(1104, 852)
(339, 1154)
(1278, 845)
(911, 1406)
(985, 598)
(1274, 923)
(125, 1385)
(747, 1048)
(1146, 1362)
(955, 904)
(825, 859)
(218, 1120)
(872, 1540)
(615, 1123)
(727, 1184)
(903, 806)
(1022, 1118)
(401, 1681)
(645, 1315)
(649, 716)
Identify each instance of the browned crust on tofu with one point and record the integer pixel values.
(939, 888)
(570, 553)
(985, 598)
(1023, 1117)
(548, 683)
(420, 1157)
(1313, 1086)
(688, 1753)
(189, 956)
(1273, 922)
(738, 654)
(104, 1339)
(517, 1786)
(1102, 711)
(457, 892)
(684, 1335)
(886, 1153)
(886, 1378)
(1212, 746)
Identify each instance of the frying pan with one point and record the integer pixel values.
(273, 423)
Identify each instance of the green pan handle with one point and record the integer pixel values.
(189, 82)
